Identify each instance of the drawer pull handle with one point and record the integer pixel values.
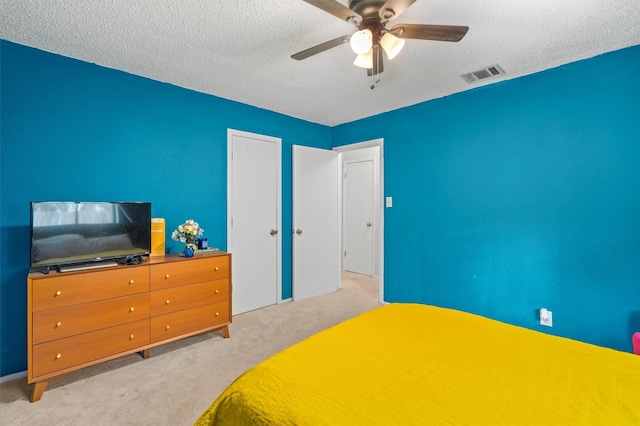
(130, 281)
(131, 309)
(58, 356)
(166, 277)
(167, 327)
(58, 324)
(58, 293)
(217, 269)
(217, 314)
(166, 302)
(217, 291)
(131, 337)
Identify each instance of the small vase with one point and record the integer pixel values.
(188, 251)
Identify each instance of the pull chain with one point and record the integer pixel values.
(375, 79)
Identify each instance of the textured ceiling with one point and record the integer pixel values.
(240, 50)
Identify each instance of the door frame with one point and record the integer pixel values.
(379, 212)
(267, 139)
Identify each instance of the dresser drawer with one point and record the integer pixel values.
(64, 353)
(83, 287)
(182, 322)
(189, 272)
(188, 296)
(58, 323)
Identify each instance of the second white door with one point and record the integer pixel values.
(315, 222)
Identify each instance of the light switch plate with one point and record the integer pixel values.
(389, 202)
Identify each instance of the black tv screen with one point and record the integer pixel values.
(64, 233)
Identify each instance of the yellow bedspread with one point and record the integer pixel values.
(409, 364)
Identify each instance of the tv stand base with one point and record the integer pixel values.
(85, 266)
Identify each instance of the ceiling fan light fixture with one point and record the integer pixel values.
(391, 44)
(364, 60)
(362, 41)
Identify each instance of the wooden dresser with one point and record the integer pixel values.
(78, 319)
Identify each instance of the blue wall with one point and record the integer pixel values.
(507, 198)
(76, 131)
(520, 195)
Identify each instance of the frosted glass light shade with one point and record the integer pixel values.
(361, 41)
(364, 60)
(391, 44)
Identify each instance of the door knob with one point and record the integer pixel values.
(273, 232)
(368, 224)
(299, 231)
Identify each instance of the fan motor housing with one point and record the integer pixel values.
(368, 9)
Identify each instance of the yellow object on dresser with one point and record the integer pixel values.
(409, 364)
(78, 319)
(157, 236)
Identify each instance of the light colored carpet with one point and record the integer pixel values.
(179, 380)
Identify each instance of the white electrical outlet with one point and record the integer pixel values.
(546, 317)
(389, 202)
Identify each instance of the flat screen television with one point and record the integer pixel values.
(71, 233)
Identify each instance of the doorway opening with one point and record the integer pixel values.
(362, 159)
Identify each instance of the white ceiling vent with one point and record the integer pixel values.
(488, 72)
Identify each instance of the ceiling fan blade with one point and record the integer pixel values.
(337, 9)
(430, 32)
(377, 62)
(321, 47)
(394, 8)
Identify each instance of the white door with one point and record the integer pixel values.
(254, 219)
(315, 222)
(358, 217)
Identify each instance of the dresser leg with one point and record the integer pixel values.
(225, 331)
(145, 353)
(38, 390)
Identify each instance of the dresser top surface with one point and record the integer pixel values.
(148, 260)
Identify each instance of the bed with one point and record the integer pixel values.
(411, 364)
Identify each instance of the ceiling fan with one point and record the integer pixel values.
(371, 17)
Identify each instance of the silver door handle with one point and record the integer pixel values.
(274, 232)
(299, 231)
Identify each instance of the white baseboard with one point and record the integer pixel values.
(14, 376)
